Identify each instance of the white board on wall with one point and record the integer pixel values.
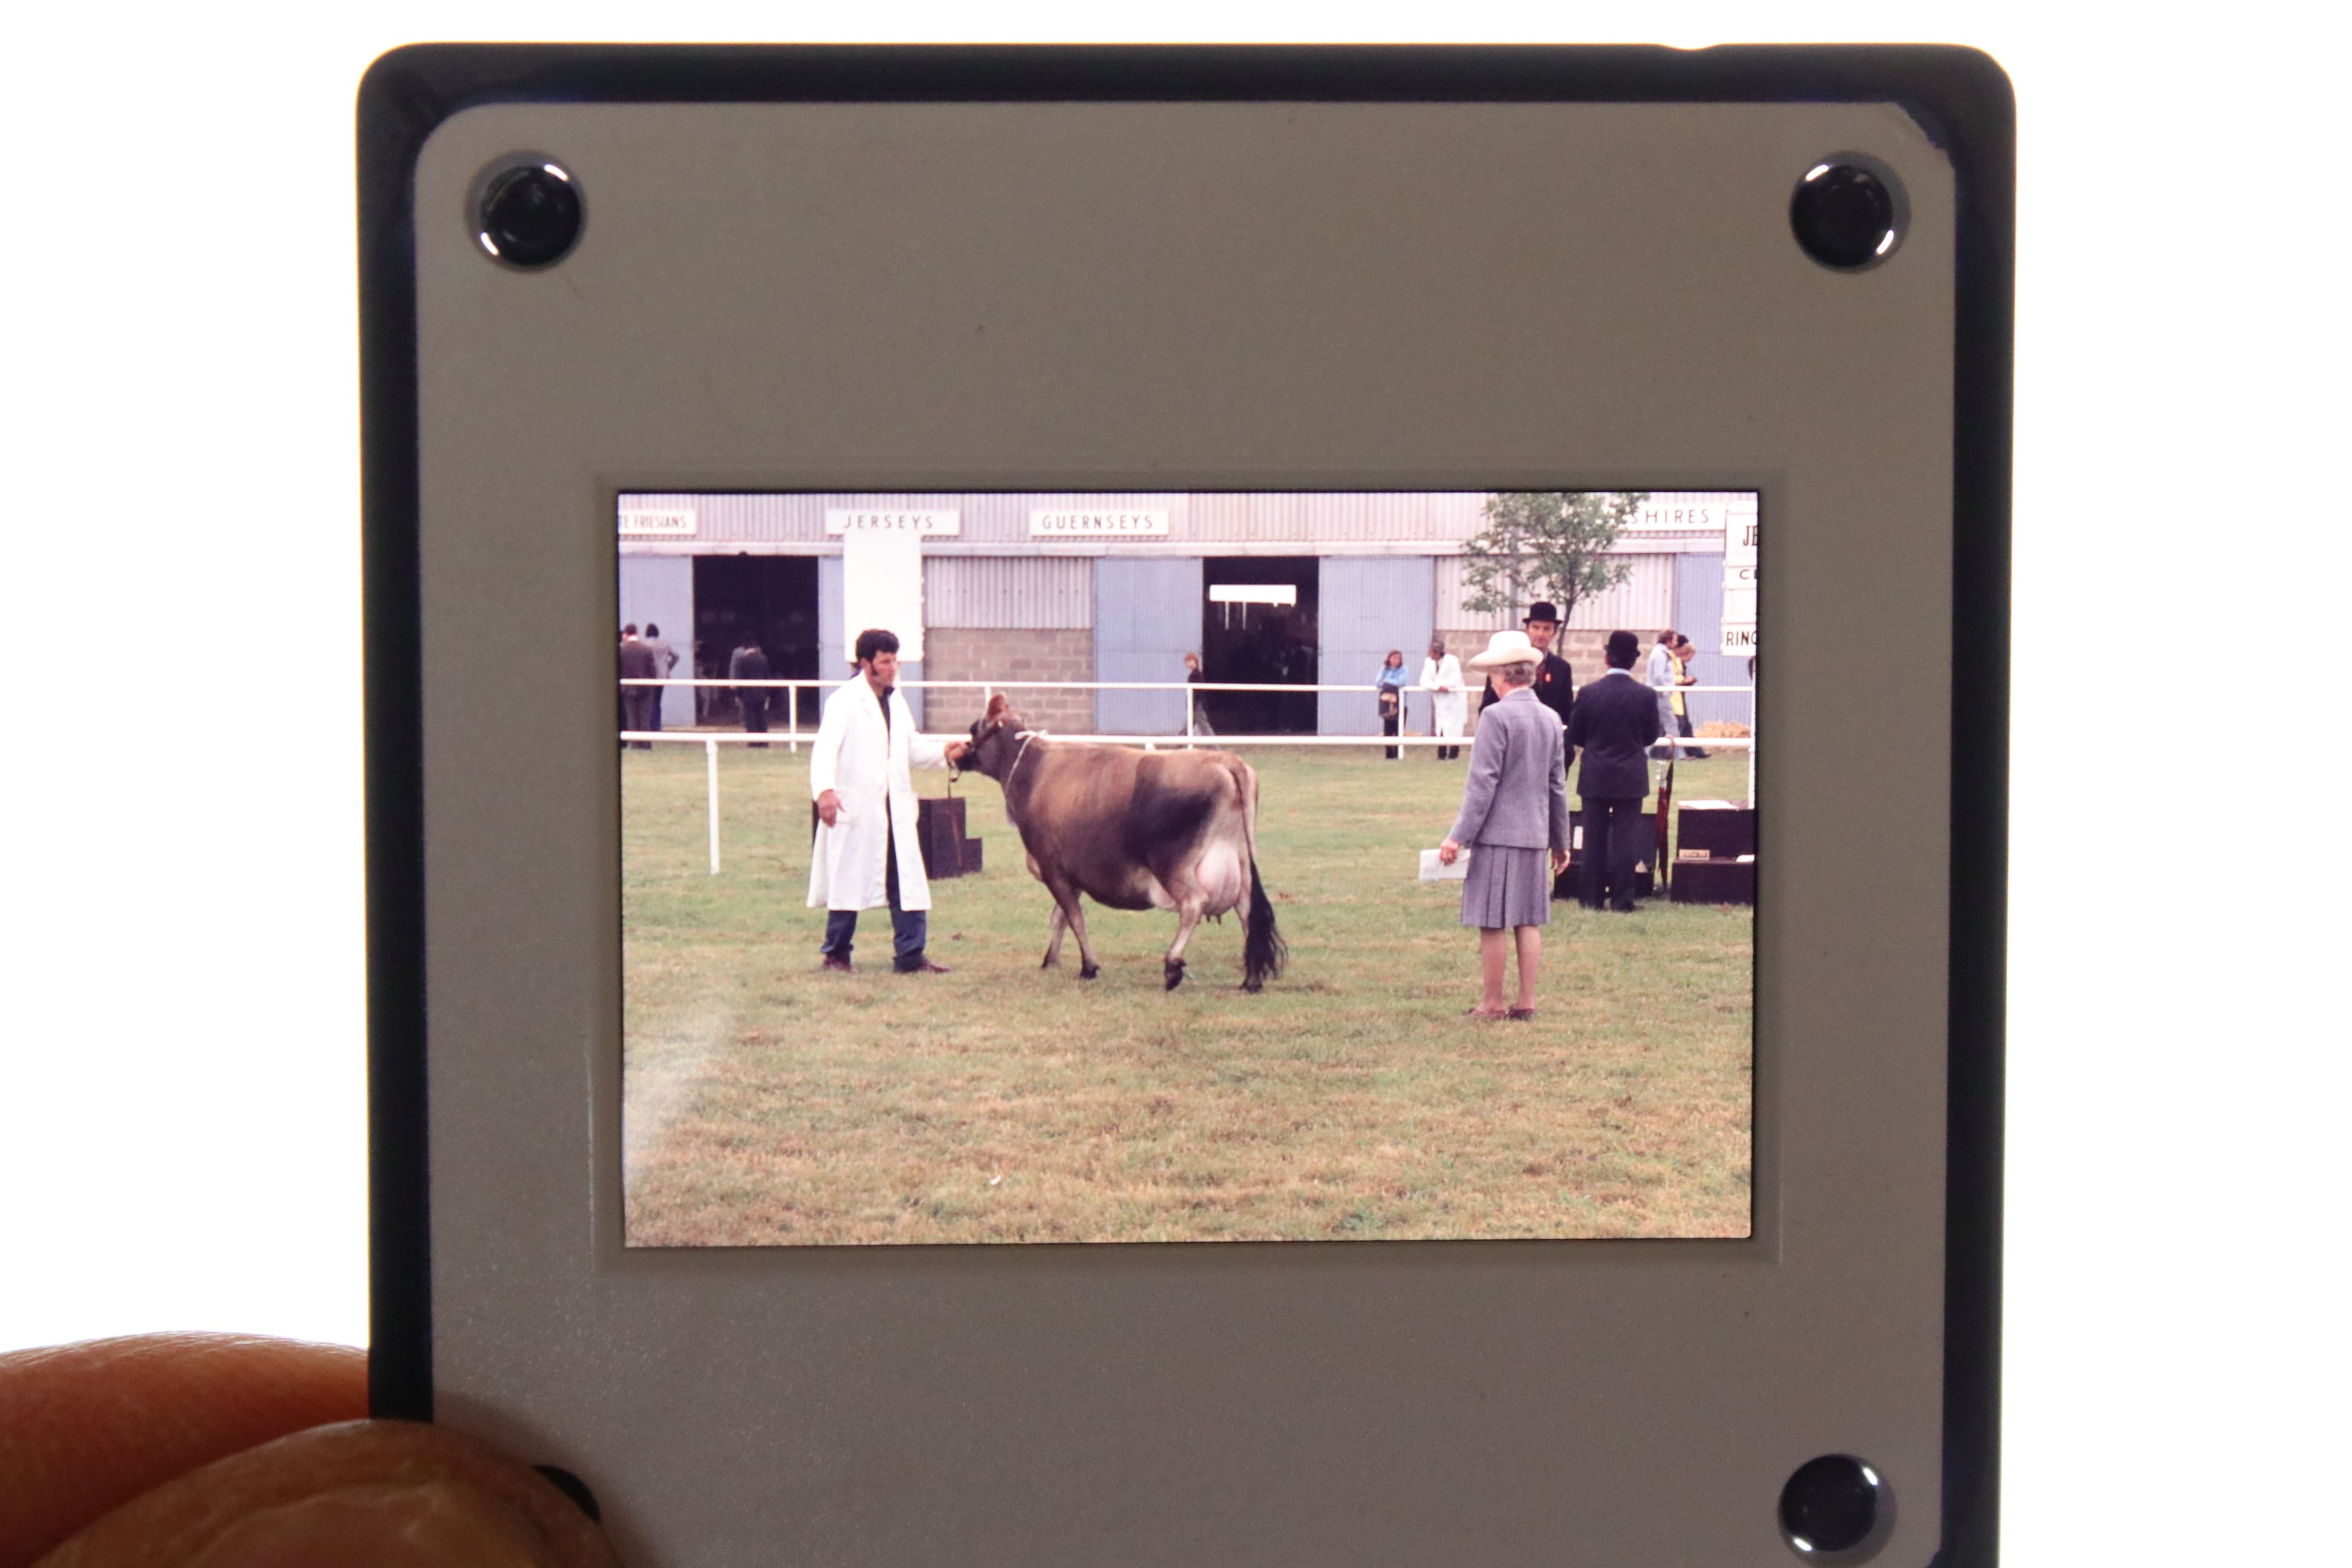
(882, 586)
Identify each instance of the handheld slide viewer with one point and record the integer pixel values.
(929, 614)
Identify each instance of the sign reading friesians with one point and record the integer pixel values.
(1097, 524)
(886, 519)
(668, 523)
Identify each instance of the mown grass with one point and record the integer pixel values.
(768, 1103)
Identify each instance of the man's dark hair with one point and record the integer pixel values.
(874, 640)
(630, 630)
(1668, 637)
(1624, 647)
(652, 630)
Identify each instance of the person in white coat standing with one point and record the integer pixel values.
(1449, 704)
(861, 777)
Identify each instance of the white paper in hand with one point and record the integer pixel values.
(1433, 869)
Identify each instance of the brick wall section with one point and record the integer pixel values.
(1010, 654)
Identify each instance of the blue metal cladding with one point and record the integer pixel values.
(1368, 604)
(1146, 618)
(833, 660)
(659, 590)
(1698, 616)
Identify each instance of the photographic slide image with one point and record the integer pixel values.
(1011, 867)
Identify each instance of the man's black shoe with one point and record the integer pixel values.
(924, 966)
(835, 961)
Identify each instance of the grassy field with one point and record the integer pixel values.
(768, 1103)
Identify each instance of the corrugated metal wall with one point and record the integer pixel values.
(1367, 605)
(1338, 518)
(1645, 601)
(831, 606)
(1698, 616)
(660, 590)
(1000, 591)
(1146, 618)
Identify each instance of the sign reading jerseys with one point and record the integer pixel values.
(1098, 525)
(941, 524)
(1740, 537)
(671, 523)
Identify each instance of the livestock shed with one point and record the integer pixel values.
(1281, 588)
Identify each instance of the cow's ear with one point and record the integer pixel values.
(998, 705)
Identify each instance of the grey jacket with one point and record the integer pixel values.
(1517, 795)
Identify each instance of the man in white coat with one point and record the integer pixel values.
(860, 775)
(1449, 704)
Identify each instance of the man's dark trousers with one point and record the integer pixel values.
(909, 928)
(754, 703)
(1611, 845)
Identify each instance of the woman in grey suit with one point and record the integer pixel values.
(1515, 816)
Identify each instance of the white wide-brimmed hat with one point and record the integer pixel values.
(1506, 647)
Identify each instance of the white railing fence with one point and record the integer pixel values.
(792, 736)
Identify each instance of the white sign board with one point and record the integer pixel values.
(1741, 541)
(1689, 514)
(1097, 524)
(913, 524)
(882, 587)
(673, 523)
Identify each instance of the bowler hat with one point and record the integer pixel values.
(1542, 610)
(1506, 647)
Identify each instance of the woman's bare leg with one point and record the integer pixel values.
(1493, 952)
(1531, 962)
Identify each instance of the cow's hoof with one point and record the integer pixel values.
(1051, 962)
(1175, 973)
(1252, 986)
(1090, 971)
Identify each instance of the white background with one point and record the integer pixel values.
(181, 1095)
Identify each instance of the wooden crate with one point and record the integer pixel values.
(1570, 884)
(940, 836)
(1715, 881)
(1725, 829)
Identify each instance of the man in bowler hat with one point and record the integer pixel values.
(1555, 683)
(1615, 723)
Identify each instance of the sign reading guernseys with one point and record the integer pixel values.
(1097, 524)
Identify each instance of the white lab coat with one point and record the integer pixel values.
(1449, 705)
(850, 758)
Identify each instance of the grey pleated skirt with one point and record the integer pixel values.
(1507, 887)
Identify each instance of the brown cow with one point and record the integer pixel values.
(1133, 830)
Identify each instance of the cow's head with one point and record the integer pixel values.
(995, 739)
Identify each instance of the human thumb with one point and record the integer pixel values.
(360, 1494)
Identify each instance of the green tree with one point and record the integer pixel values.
(1547, 545)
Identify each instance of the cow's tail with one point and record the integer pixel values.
(1263, 949)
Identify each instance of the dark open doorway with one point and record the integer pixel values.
(1261, 628)
(769, 599)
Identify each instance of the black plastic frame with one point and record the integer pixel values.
(1959, 96)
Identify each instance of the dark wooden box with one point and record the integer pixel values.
(1570, 884)
(948, 850)
(938, 834)
(1724, 830)
(1714, 882)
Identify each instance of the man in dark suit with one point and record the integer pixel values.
(640, 704)
(749, 663)
(1555, 685)
(1615, 723)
